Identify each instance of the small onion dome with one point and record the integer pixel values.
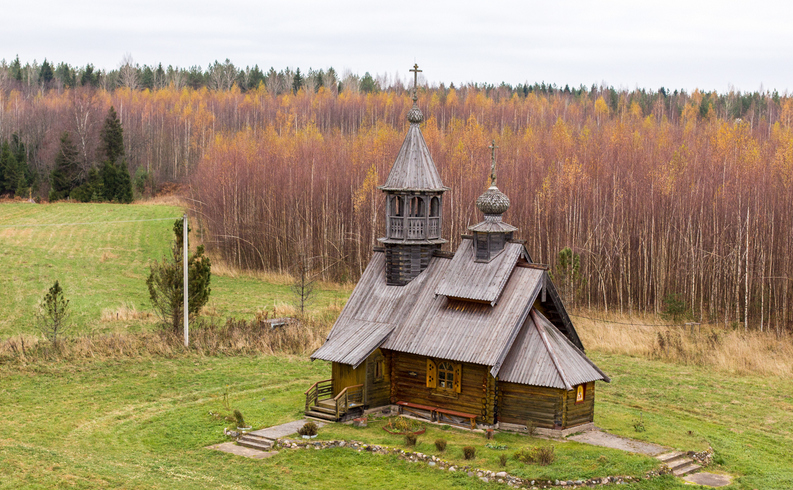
(493, 201)
(414, 114)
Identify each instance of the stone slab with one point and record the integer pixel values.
(709, 479)
(233, 448)
(283, 430)
(604, 439)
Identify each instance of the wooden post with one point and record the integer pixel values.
(185, 251)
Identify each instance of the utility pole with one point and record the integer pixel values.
(185, 251)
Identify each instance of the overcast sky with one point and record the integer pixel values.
(628, 44)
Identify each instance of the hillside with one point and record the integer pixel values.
(100, 254)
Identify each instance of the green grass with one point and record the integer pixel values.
(103, 267)
(144, 423)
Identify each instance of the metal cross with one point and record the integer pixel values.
(493, 163)
(416, 72)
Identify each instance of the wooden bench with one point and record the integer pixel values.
(469, 416)
(436, 412)
(417, 406)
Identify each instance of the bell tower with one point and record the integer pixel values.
(414, 204)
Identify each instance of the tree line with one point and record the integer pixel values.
(655, 192)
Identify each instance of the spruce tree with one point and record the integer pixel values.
(166, 281)
(112, 135)
(46, 73)
(64, 175)
(123, 183)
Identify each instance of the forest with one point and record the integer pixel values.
(662, 197)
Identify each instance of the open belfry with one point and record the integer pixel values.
(477, 337)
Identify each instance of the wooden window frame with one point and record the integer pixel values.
(581, 387)
(379, 368)
(433, 378)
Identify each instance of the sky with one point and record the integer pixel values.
(711, 45)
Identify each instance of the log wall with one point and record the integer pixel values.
(581, 413)
(522, 403)
(378, 393)
(476, 392)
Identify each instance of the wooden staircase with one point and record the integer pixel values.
(321, 404)
(679, 463)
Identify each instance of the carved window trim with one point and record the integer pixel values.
(580, 393)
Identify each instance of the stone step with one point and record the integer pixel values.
(669, 457)
(321, 415)
(262, 444)
(686, 470)
(679, 463)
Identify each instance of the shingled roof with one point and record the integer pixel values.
(416, 319)
(414, 169)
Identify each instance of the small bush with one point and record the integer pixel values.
(545, 455)
(469, 452)
(440, 445)
(638, 424)
(502, 459)
(238, 418)
(531, 427)
(541, 455)
(410, 440)
(308, 429)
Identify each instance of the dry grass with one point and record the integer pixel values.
(125, 312)
(712, 346)
(235, 337)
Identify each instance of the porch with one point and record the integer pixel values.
(320, 402)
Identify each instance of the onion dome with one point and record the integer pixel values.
(493, 201)
(414, 114)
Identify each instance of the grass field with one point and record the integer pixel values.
(143, 422)
(102, 266)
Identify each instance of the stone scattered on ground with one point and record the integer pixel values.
(709, 479)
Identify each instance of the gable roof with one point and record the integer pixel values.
(479, 281)
(542, 356)
(414, 169)
(509, 334)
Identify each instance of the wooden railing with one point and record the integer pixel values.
(414, 228)
(351, 396)
(321, 390)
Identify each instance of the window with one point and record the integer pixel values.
(396, 206)
(379, 368)
(435, 207)
(580, 393)
(417, 207)
(446, 376)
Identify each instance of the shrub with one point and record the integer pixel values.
(440, 445)
(541, 455)
(502, 459)
(52, 313)
(469, 452)
(545, 455)
(531, 427)
(410, 439)
(308, 429)
(238, 418)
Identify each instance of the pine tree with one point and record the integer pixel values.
(165, 281)
(123, 183)
(112, 135)
(64, 175)
(297, 81)
(46, 73)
